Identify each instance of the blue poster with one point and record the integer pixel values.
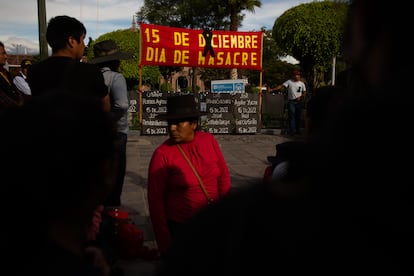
(228, 86)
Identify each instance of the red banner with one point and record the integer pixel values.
(168, 46)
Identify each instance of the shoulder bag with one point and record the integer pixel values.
(200, 181)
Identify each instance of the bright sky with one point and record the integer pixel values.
(19, 22)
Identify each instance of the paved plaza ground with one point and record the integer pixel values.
(246, 156)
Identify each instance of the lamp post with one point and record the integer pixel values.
(41, 17)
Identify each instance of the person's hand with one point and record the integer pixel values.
(96, 223)
(98, 259)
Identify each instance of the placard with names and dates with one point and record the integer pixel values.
(226, 113)
(219, 109)
(153, 104)
(246, 107)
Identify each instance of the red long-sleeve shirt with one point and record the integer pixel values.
(174, 192)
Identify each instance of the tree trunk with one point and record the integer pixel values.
(194, 81)
(233, 74)
(234, 25)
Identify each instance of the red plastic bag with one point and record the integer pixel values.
(267, 175)
(131, 239)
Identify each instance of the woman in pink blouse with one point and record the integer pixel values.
(174, 191)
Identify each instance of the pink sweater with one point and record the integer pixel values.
(174, 192)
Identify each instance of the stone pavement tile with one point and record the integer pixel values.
(137, 267)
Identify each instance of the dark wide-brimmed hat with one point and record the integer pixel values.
(181, 107)
(108, 50)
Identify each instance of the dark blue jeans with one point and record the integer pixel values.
(114, 198)
(295, 108)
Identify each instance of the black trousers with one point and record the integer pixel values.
(114, 198)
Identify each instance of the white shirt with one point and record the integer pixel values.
(21, 84)
(294, 88)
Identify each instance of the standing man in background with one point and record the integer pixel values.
(108, 56)
(20, 79)
(8, 96)
(296, 91)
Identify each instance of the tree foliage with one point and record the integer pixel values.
(275, 71)
(128, 41)
(312, 33)
(195, 14)
(236, 7)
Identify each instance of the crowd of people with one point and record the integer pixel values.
(62, 100)
(349, 211)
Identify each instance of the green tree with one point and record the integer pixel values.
(236, 7)
(201, 14)
(128, 41)
(160, 12)
(195, 14)
(166, 73)
(151, 76)
(275, 71)
(312, 33)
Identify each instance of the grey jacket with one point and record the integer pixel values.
(119, 97)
